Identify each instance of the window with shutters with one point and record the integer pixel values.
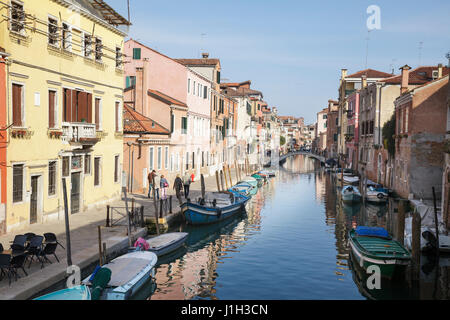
(98, 50)
(52, 178)
(66, 37)
(183, 125)
(87, 164)
(17, 105)
(98, 113)
(52, 114)
(77, 106)
(159, 157)
(205, 92)
(116, 168)
(136, 53)
(87, 45)
(150, 166)
(166, 157)
(97, 172)
(118, 117)
(172, 123)
(18, 182)
(118, 57)
(189, 85)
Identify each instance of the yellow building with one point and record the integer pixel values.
(64, 106)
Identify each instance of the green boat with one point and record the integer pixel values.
(374, 246)
(251, 181)
(259, 178)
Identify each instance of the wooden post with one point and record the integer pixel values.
(202, 184)
(401, 222)
(104, 252)
(107, 216)
(225, 176)
(66, 216)
(142, 217)
(217, 181)
(221, 180)
(161, 213)
(229, 176)
(415, 245)
(155, 205)
(236, 171)
(100, 246)
(124, 189)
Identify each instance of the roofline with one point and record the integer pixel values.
(127, 106)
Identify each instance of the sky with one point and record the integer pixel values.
(293, 51)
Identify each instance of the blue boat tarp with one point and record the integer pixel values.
(372, 232)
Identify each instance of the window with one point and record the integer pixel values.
(150, 166)
(51, 109)
(172, 122)
(159, 157)
(66, 37)
(118, 57)
(205, 92)
(17, 182)
(130, 81)
(193, 160)
(77, 106)
(98, 113)
(218, 76)
(52, 31)
(98, 50)
(189, 85)
(52, 178)
(87, 43)
(203, 158)
(166, 157)
(117, 116)
(199, 91)
(193, 91)
(136, 53)
(187, 160)
(17, 104)
(97, 169)
(116, 168)
(65, 166)
(17, 17)
(406, 120)
(183, 125)
(87, 164)
(324, 116)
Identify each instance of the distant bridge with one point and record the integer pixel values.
(308, 154)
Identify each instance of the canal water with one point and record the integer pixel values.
(290, 244)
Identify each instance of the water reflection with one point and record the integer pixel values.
(290, 244)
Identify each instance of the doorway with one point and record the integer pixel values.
(75, 192)
(34, 199)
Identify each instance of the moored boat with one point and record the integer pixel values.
(164, 244)
(251, 181)
(128, 273)
(374, 246)
(245, 189)
(377, 195)
(351, 180)
(80, 292)
(215, 207)
(350, 194)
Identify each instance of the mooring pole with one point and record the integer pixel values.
(100, 246)
(66, 217)
(401, 222)
(155, 205)
(124, 190)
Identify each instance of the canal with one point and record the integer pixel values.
(290, 244)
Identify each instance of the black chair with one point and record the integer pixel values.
(18, 262)
(49, 249)
(18, 245)
(29, 236)
(35, 248)
(51, 238)
(1, 248)
(5, 266)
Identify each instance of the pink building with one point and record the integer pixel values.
(352, 134)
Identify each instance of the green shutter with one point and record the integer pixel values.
(136, 53)
(127, 82)
(172, 122)
(218, 76)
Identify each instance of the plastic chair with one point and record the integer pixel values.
(50, 238)
(49, 249)
(18, 262)
(35, 248)
(5, 266)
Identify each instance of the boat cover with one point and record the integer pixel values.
(372, 232)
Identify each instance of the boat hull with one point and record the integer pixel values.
(351, 198)
(80, 292)
(201, 215)
(171, 247)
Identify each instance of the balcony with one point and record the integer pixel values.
(79, 133)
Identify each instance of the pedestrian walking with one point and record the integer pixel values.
(150, 177)
(186, 183)
(157, 185)
(178, 186)
(164, 185)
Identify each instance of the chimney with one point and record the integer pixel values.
(139, 90)
(343, 74)
(205, 55)
(439, 70)
(405, 78)
(363, 81)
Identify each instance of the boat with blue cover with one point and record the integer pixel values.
(374, 246)
(244, 188)
(252, 181)
(80, 292)
(215, 207)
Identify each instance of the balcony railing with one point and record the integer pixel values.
(79, 133)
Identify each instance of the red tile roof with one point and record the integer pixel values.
(370, 73)
(165, 98)
(134, 122)
(418, 76)
(241, 92)
(235, 84)
(199, 62)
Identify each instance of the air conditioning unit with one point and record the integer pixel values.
(435, 74)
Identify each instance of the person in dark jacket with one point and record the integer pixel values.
(187, 183)
(150, 177)
(178, 186)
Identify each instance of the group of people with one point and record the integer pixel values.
(160, 183)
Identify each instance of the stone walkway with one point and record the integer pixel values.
(84, 241)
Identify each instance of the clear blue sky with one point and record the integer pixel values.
(293, 50)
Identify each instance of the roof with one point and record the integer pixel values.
(370, 73)
(418, 76)
(165, 98)
(138, 123)
(432, 82)
(241, 92)
(199, 62)
(102, 10)
(235, 84)
(155, 51)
